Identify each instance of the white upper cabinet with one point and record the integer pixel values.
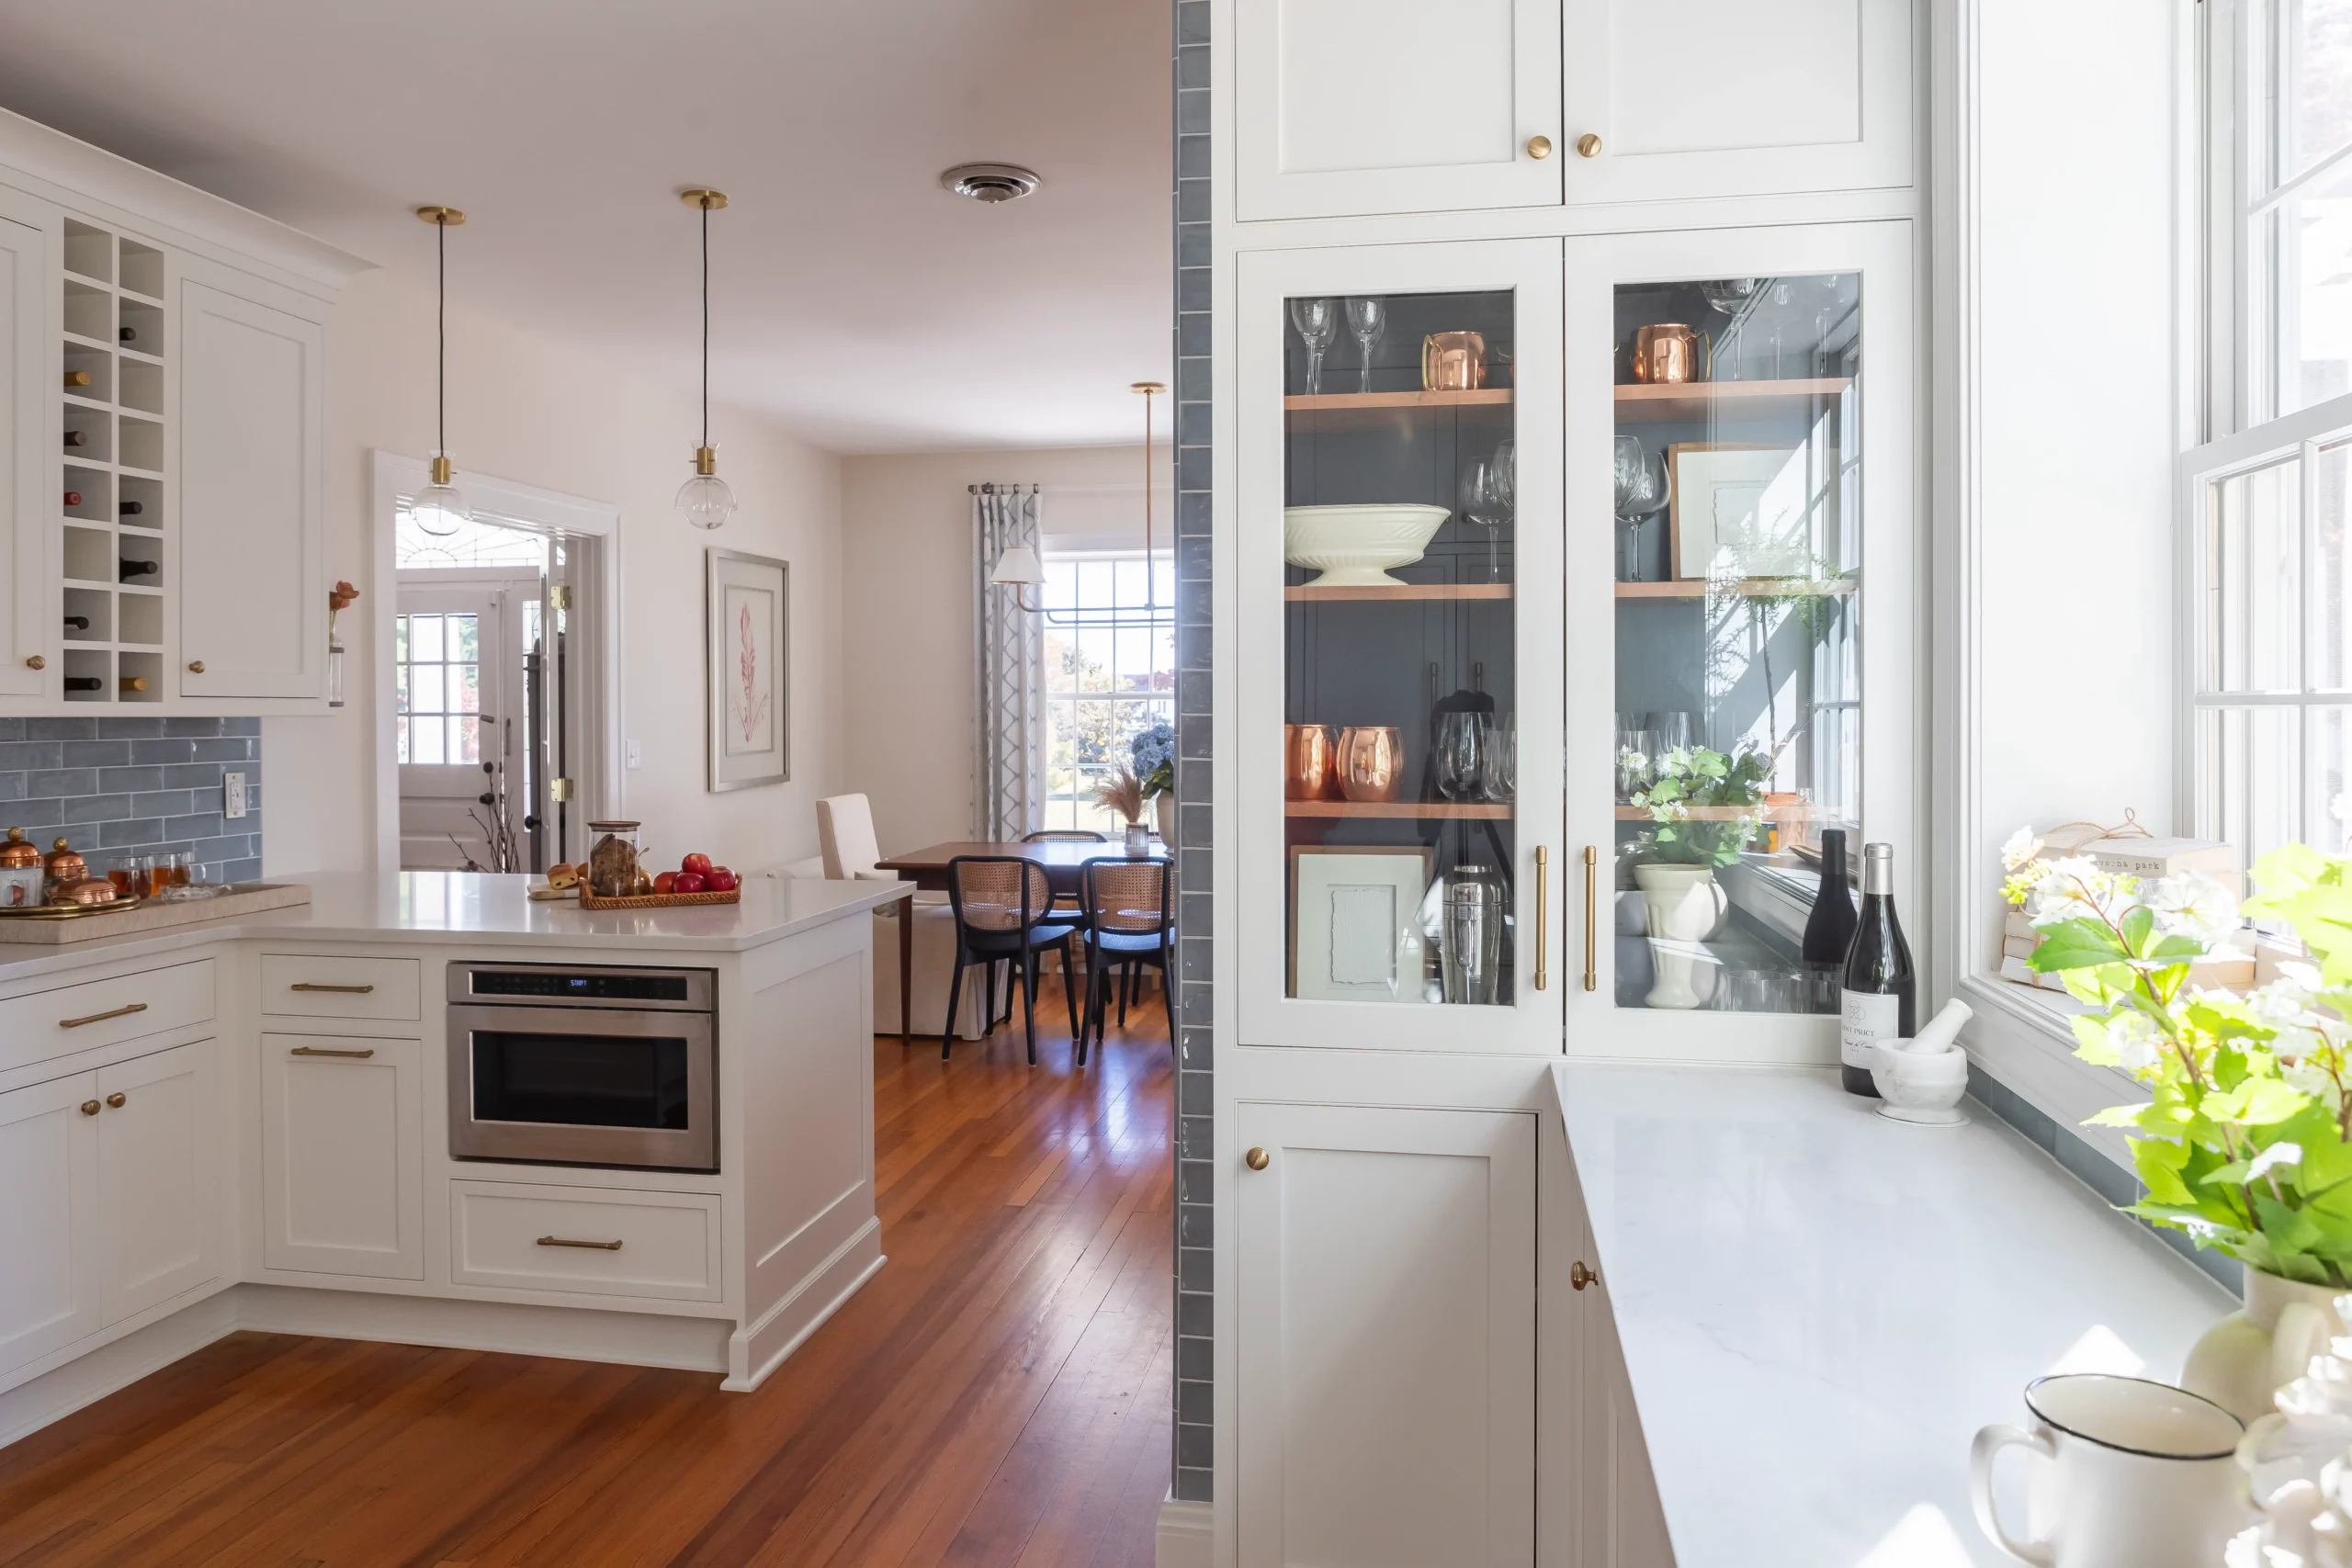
(1351, 106)
(28, 243)
(1692, 99)
(252, 404)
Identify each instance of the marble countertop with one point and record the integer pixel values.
(443, 907)
(1819, 1306)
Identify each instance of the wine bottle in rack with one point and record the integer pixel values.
(134, 682)
(72, 497)
(76, 378)
(131, 569)
(130, 509)
(77, 438)
(84, 684)
(77, 623)
(1829, 930)
(127, 334)
(1879, 997)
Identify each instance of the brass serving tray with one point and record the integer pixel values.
(69, 911)
(660, 900)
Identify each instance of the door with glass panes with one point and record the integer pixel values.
(1742, 620)
(1397, 557)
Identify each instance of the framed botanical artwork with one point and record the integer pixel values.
(747, 603)
(1356, 923)
(1737, 511)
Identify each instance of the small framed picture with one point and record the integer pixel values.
(746, 603)
(1737, 511)
(1355, 926)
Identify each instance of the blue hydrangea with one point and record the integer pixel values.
(1154, 755)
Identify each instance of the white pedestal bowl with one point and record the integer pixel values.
(1353, 547)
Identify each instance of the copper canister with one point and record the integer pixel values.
(1371, 762)
(1666, 353)
(62, 866)
(1454, 362)
(1309, 762)
(22, 881)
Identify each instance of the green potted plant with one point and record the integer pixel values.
(1703, 808)
(2243, 1143)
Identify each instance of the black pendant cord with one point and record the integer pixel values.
(441, 344)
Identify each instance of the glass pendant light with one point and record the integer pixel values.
(705, 500)
(439, 508)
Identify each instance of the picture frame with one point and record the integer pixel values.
(747, 615)
(1743, 499)
(1356, 931)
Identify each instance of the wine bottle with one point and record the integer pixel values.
(77, 438)
(130, 509)
(127, 334)
(134, 682)
(131, 569)
(1829, 930)
(76, 378)
(1879, 997)
(72, 497)
(77, 623)
(84, 684)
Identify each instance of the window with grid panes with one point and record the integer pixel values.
(1110, 651)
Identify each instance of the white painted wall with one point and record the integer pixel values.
(907, 593)
(545, 415)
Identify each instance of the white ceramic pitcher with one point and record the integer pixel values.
(2147, 1475)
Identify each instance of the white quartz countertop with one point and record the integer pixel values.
(486, 911)
(1819, 1306)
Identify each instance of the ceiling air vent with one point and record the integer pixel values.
(992, 183)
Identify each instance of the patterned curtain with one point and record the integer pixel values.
(1010, 796)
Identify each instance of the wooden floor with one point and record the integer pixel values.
(997, 1394)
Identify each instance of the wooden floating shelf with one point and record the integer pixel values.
(1397, 810)
(1686, 402)
(1745, 587)
(1311, 595)
(1338, 402)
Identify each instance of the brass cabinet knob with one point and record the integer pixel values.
(37, 662)
(196, 666)
(1539, 147)
(118, 1098)
(1589, 145)
(89, 1107)
(1579, 1276)
(1256, 1159)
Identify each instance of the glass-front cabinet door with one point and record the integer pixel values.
(1741, 610)
(1399, 691)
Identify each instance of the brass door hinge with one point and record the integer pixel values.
(558, 790)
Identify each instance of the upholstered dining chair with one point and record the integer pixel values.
(1129, 921)
(1003, 908)
(849, 848)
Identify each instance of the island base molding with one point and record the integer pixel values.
(1185, 1536)
(760, 1347)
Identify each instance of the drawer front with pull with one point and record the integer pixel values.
(343, 1156)
(43, 1024)
(600, 1240)
(302, 986)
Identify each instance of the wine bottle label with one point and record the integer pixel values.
(1864, 1022)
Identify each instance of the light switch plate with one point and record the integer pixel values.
(636, 757)
(233, 796)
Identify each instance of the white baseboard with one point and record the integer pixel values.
(86, 1380)
(762, 1347)
(1186, 1537)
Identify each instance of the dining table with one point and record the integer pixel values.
(927, 869)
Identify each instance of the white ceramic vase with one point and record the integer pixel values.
(1683, 904)
(2245, 1360)
(1164, 807)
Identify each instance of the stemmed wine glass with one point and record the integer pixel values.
(1317, 321)
(1502, 760)
(1367, 319)
(1461, 754)
(1641, 492)
(1482, 504)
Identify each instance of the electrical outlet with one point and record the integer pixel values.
(233, 796)
(636, 757)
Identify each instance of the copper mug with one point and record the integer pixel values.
(1454, 362)
(1311, 763)
(1371, 762)
(1666, 353)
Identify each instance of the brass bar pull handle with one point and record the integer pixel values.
(338, 990)
(592, 1245)
(1542, 916)
(1591, 915)
(324, 1051)
(102, 1017)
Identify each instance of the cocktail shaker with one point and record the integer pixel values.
(1474, 934)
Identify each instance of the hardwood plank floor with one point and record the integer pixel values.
(996, 1397)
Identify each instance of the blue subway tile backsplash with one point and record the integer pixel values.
(120, 786)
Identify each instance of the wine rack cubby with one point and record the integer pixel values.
(114, 363)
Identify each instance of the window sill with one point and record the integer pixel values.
(2019, 1035)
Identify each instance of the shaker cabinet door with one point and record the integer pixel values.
(158, 1177)
(252, 605)
(1354, 107)
(1387, 1337)
(343, 1147)
(49, 1224)
(29, 359)
(1695, 98)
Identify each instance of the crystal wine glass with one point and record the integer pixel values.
(1459, 754)
(1367, 319)
(1481, 505)
(1317, 321)
(1641, 491)
(1502, 760)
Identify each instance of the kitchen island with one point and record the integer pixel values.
(248, 1124)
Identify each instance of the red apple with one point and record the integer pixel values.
(666, 883)
(698, 864)
(718, 879)
(686, 882)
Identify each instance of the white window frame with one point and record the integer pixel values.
(1132, 617)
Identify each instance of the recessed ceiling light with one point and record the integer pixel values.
(992, 183)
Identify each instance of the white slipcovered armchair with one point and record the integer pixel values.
(845, 835)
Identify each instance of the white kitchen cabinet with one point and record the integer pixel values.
(1692, 99)
(1616, 1517)
(1387, 1337)
(49, 1224)
(342, 1145)
(251, 451)
(1351, 106)
(160, 1132)
(27, 593)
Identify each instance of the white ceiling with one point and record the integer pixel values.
(854, 303)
